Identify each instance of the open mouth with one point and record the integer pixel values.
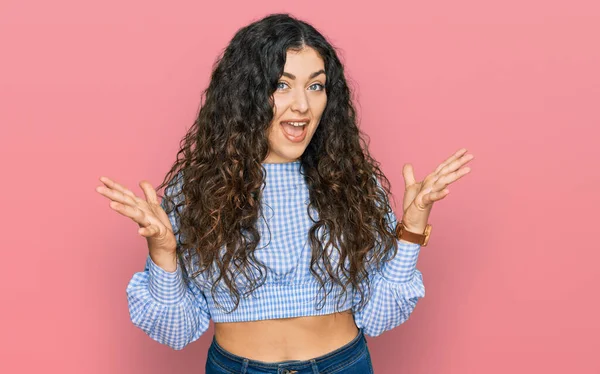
(294, 131)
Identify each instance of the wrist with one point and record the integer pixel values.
(417, 234)
(417, 229)
(166, 261)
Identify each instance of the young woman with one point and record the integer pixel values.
(275, 222)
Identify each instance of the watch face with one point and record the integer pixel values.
(427, 234)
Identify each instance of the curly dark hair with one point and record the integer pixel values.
(221, 157)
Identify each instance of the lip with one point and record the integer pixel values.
(294, 139)
(296, 120)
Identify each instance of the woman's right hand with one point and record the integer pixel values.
(149, 215)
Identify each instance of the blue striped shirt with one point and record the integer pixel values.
(176, 313)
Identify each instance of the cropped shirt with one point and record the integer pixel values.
(176, 313)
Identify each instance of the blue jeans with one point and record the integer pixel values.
(351, 358)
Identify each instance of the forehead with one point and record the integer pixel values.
(304, 62)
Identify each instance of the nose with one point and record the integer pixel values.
(300, 102)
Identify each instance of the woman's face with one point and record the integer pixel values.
(300, 98)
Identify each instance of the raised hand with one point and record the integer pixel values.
(149, 215)
(420, 196)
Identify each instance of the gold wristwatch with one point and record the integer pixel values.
(422, 239)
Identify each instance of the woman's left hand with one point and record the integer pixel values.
(420, 196)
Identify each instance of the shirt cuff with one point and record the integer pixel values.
(402, 267)
(166, 287)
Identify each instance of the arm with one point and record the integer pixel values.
(161, 303)
(395, 289)
(165, 308)
(394, 293)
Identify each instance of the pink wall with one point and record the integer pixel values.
(108, 88)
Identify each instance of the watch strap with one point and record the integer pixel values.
(421, 239)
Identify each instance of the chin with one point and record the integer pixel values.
(287, 158)
(283, 156)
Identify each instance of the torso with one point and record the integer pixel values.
(299, 338)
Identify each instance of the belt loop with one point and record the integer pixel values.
(244, 366)
(314, 366)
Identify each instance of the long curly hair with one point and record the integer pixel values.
(220, 160)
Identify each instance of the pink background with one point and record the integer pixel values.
(110, 87)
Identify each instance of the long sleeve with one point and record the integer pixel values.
(395, 290)
(166, 307)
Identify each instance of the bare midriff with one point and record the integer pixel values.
(299, 338)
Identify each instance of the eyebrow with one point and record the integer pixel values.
(316, 73)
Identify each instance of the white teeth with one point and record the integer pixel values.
(297, 124)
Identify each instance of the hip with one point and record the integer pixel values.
(353, 357)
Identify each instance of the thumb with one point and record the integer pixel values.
(408, 174)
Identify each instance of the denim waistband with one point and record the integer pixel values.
(345, 353)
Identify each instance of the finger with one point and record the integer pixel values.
(450, 159)
(149, 192)
(136, 214)
(149, 231)
(434, 196)
(454, 165)
(116, 186)
(447, 179)
(409, 176)
(118, 196)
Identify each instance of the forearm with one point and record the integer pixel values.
(390, 304)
